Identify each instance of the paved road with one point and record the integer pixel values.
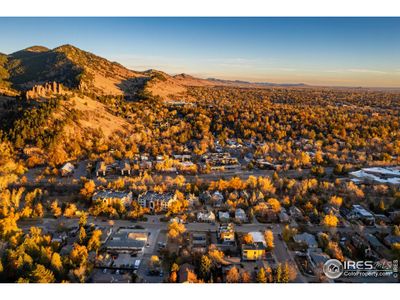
(151, 225)
(145, 258)
(283, 254)
(351, 228)
(227, 174)
(154, 223)
(243, 174)
(81, 171)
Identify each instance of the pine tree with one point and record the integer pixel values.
(94, 242)
(382, 207)
(396, 230)
(79, 255)
(82, 235)
(19, 142)
(285, 273)
(83, 220)
(278, 278)
(56, 210)
(205, 266)
(245, 277)
(42, 275)
(174, 267)
(261, 276)
(233, 276)
(56, 262)
(173, 277)
(38, 211)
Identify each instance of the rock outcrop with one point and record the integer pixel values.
(46, 90)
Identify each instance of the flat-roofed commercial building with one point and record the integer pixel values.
(127, 240)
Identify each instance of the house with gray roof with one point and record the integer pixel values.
(306, 239)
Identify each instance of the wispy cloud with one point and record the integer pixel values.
(356, 70)
(366, 71)
(233, 60)
(283, 69)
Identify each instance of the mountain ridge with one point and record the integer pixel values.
(82, 70)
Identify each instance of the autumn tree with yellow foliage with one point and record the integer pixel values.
(88, 189)
(269, 239)
(233, 276)
(175, 230)
(336, 201)
(330, 221)
(248, 238)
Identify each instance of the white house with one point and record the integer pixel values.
(206, 217)
(67, 169)
(258, 237)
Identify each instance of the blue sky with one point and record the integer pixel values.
(322, 51)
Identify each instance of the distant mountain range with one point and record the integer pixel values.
(79, 69)
(249, 83)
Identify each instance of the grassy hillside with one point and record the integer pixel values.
(37, 65)
(61, 129)
(74, 68)
(89, 73)
(4, 75)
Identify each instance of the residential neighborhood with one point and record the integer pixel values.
(115, 175)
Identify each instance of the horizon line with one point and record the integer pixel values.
(221, 78)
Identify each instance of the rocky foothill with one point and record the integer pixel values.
(45, 90)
